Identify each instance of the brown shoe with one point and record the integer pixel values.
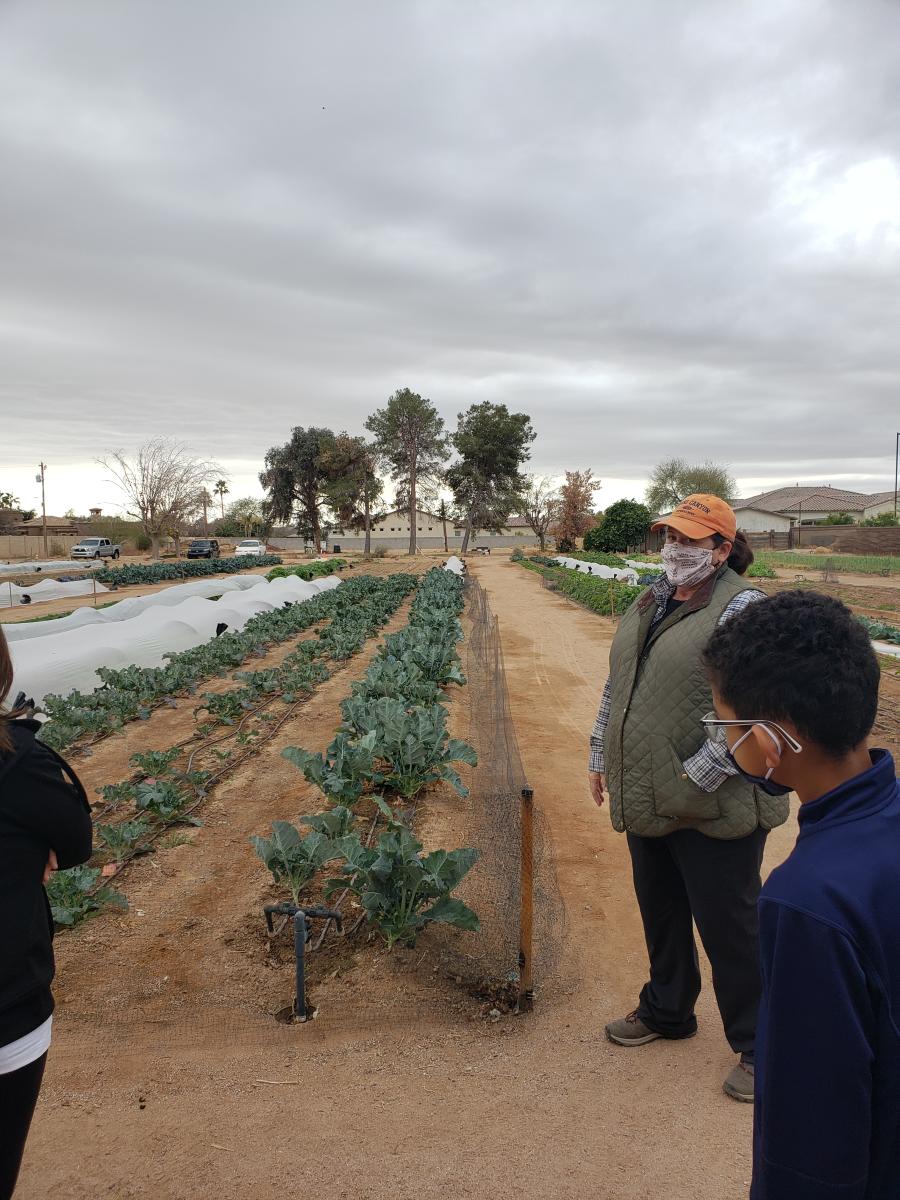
(630, 1031)
(739, 1084)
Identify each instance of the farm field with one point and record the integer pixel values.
(167, 1062)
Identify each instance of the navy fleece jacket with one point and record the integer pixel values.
(827, 1118)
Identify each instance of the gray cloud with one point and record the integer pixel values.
(661, 228)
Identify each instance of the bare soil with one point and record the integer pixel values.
(170, 1078)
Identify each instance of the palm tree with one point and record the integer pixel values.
(221, 490)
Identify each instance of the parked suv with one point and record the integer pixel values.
(203, 548)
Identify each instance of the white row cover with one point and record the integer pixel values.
(644, 568)
(11, 595)
(599, 570)
(63, 662)
(126, 609)
(23, 568)
(456, 565)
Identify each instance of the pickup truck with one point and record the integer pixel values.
(96, 547)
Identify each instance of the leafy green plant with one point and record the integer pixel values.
(163, 798)
(293, 859)
(881, 631)
(155, 762)
(115, 794)
(760, 570)
(120, 839)
(401, 889)
(412, 744)
(342, 771)
(74, 895)
(337, 822)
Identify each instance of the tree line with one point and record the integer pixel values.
(320, 479)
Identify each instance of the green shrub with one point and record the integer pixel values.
(760, 570)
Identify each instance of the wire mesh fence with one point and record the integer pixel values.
(493, 824)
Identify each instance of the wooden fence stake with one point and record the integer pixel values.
(526, 917)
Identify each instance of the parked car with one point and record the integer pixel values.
(96, 547)
(203, 548)
(250, 546)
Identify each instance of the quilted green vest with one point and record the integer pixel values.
(659, 694)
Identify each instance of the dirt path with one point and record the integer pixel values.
(169, 1080)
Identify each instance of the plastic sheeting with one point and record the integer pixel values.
(456, 565)
(599, 570)
(11, 595)
(126, 609)
(25, 568)
(64, 661)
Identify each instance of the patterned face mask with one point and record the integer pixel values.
(686, 565)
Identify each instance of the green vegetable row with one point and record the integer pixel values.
(881, 631)
(161, 793)
(309, 571)
(194, 568)
(393, 738)
(608, 597)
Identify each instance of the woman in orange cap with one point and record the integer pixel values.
(696, 828)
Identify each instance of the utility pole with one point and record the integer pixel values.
(896, 471)
(40, 479)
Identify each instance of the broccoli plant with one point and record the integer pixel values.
(74, 895)
(293, 859)
(343, 770)
(412, 744)
(400, 888)
(121, 839)
(155, 762)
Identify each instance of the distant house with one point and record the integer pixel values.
(807, 505)
(881, 502)
(753, 519)
(10, 519)
(55, 526)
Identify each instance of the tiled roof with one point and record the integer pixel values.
(814, 499)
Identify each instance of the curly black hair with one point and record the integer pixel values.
(800, 657)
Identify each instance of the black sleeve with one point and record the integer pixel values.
(51, 805)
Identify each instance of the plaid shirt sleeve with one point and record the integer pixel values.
(711, 766)
(596, 761)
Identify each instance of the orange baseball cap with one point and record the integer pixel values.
(699, 516)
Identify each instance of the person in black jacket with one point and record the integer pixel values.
(45, 823)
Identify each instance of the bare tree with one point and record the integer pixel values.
(540, 506)
(161, 484)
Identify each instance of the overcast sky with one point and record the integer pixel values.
(661, 228)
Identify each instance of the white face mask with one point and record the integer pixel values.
(686, 565)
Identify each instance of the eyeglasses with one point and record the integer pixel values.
(716, 730)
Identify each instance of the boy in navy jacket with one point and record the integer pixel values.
(795, 685)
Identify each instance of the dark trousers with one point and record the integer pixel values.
(683, 878)
(18, 1097)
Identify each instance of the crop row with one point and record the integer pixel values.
(608, 597)
(309, 571)
(393, 741)
(881, 631)
(194, 568)
(131, 693)
(161, 793)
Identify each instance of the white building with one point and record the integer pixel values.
(392, 531)
(760, 520)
